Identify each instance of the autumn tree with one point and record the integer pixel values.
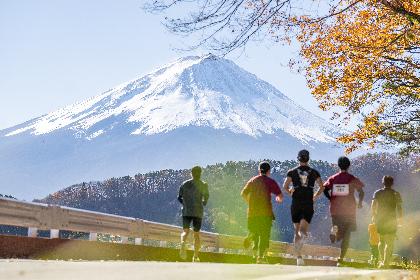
(361, 58)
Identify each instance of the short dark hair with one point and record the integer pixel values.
(388, 181)
(196, 172)
(343, 163)
(264, 167)
(303, 156)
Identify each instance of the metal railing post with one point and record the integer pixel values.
(32, 232)
(93, 236)
(138, 241)
(54, 233)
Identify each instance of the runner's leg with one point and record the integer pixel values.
(345, 243)
(389, 248)
(296, 239)
(186, 221)
(266, 224)
(303, 233)
(183, 249)
(197, 243)
(381, 247)
(375, 254)
(184, 234)
(304, 227)
(253, 234)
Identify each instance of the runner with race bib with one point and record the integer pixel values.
(339, 189)
(303, 178)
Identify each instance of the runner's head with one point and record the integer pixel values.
(264, 168)
(303, 156)
(196, 172)
(343, 163)
(387, 181)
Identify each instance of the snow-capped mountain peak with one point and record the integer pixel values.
(204, 91)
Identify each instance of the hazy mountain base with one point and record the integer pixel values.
(152, 196)
(35, 166)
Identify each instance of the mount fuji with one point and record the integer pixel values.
(196, 110)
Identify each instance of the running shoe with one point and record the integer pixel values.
(262, 260)
(254, 259)
(183, 251)
(340, 262)
(299, 261)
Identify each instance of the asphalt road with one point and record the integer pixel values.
(128, 270)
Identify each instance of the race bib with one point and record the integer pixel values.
(340, 190)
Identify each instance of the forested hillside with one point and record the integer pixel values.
(152, 196)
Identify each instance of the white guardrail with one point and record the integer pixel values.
(37, 216)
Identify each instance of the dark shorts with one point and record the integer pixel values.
(186, 222)
(345, 225)
(386, 226)
(302, 211)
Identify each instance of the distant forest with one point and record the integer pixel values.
(152, 196)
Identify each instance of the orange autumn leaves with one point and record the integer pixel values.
(361, 58)
(365, 60)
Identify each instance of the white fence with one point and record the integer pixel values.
(38, 216)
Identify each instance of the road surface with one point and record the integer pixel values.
(129, 270)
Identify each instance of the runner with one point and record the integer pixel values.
(193, 194)
(373, 243)
(303, 178)
(257, 193)
(339, 189)
(387, 214)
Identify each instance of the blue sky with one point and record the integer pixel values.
(54, 53)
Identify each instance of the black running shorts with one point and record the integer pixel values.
(302, 211)
(345, 225)
(186, 222)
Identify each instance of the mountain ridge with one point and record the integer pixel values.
(185, 85)
(196, 110)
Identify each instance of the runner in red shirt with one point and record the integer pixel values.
(257, 193)
(339, 189)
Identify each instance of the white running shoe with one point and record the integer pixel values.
(299, 261)
(183, 251)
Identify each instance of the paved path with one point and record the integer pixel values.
(124, 270)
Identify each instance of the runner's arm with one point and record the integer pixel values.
(327, 189)
(361, 196)
(327, 193)
(373, 209)
(399, 209)
(321, 188)
(359, 187)
(286, 185)
(206, 194)
(180, 193)
(245, 191)
(275, 189)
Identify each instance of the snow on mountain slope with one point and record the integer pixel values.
(196, 110)
(193, 91)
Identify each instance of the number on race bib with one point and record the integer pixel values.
(341, 189)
